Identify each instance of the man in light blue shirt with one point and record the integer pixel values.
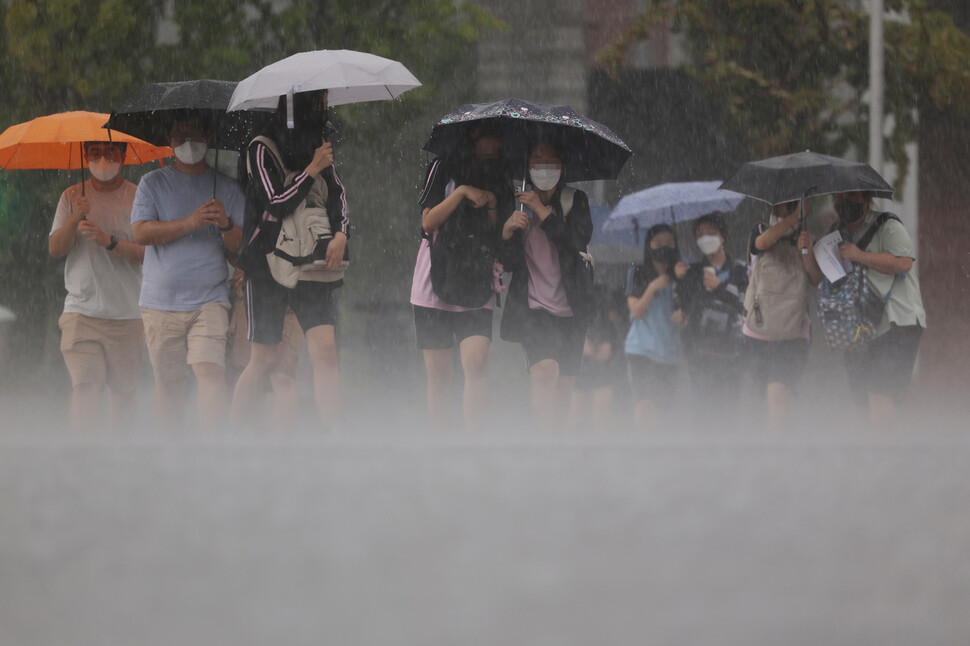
(184, 295)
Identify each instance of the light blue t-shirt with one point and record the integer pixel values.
(653, 335)
(184, 274)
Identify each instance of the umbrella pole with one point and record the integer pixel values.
(215, 175)
(80, 147)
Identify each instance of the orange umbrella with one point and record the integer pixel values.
(54, 142)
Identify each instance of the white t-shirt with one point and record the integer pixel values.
(100, 283)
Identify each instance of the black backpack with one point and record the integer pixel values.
(463, 258)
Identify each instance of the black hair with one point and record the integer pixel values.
(714, 219)
(120, 145)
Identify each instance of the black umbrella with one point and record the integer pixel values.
(149, 115)
(590, 149)
(793, 177)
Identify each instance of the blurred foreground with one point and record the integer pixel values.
(397, 536)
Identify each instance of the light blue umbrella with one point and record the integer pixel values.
(670, 204)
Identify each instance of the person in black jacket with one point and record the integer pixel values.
(711, 294)
(270, 199)
(550, 296)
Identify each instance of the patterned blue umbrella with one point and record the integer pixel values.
(670, 204)
(590, 149)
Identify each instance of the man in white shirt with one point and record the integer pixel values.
(102, 339)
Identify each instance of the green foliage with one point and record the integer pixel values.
(792, 75)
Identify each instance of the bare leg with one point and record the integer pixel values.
(86, 406)
(882, 411)
(252, 383)
(438, 364)
(213, 396)
(579, 409)
(322, 347)
(603, 407)
(779, 399)
(123, 407)
(564, 395)
(170, 403)
(286, 401)
(474, 363)
(543, 385)
(647, 415)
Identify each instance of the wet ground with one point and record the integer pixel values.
(402, 537)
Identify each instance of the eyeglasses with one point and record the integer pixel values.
(110, 154)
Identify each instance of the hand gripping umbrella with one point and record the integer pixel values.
(55, 142)
(590, 150)
(671, 203)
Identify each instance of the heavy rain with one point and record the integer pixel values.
(399, 485)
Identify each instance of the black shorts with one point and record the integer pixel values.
(780, 362)
(652, 380)
(886, 366)
(438, 329)
(560, 338)
(267, 300)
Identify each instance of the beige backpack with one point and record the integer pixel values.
(304, 235)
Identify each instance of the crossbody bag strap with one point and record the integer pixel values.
(871, 232)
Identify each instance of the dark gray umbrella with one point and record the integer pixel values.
(590, 149)
(788, 178)
(149, 114)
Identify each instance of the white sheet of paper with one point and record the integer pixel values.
(828, 257)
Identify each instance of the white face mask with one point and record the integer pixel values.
(104, 170)
(191, 152)
(774, 219)
(545, 177)
(709, 244)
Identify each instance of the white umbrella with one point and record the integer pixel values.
(349, 76)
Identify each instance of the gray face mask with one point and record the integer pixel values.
(190, 152)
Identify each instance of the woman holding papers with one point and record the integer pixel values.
(883, 370)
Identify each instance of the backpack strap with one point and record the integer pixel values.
(871, 232)
(273, 148)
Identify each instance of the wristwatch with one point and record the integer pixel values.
(228, 226)
(113, 243)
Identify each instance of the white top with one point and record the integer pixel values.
(100, 283)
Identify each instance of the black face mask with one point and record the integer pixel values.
(849, 212)
(485, 173)
(666, 256)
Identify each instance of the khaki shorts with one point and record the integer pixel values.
(180, 339)
(102, 351)
(290, 346)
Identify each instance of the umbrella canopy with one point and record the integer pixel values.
(590, 149)
(671, 203)
(150, 113)
(54, 142)
(791, 177)
(349, 77)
